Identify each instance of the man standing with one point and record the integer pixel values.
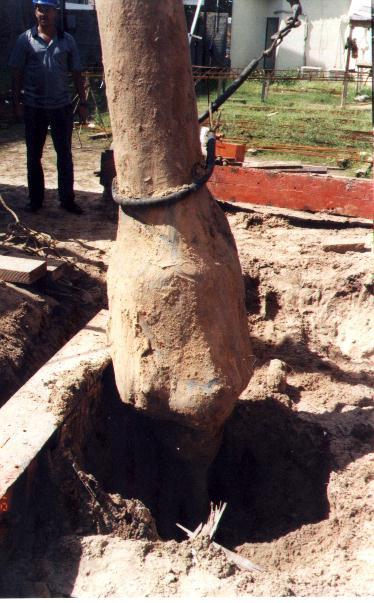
(41, 61)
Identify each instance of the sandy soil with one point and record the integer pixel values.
(296, 463)
(51, 312)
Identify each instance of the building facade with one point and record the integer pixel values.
(318, 42)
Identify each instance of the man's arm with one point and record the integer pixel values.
(17, 64)
(75, 66)
(17, 80)
(79, 85)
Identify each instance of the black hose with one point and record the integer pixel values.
(231, 89)
(172, 198)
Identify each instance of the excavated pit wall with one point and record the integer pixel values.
(104, 469)
(273, 467)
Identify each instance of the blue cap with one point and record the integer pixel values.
(53, 3)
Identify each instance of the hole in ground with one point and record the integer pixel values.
(252, 294)
(272, 305)
(272, 469)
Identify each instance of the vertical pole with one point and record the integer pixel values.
(195, 19)
(358, 76)
(372, 63)
(265, 86)
(204, 32)
(219, 86)
(63, 15)
(263, 89)
(346, 72)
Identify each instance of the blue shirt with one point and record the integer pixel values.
(45, 68)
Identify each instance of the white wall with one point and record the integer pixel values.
(291, 53)
(328, 31)
(327, 23)
(248, 30)
(319, 42)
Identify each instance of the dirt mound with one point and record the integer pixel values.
(157, 569)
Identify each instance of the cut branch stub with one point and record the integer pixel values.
(178, 327)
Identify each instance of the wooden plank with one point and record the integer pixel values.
(307, 169)
(317, 151)
(21, 270)
(55, 266)
(100, 135)
(276, 165)
(297, 215)
(345, 245)
(306, 192)
(25, 293)
(289, 166)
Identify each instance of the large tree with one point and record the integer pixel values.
(178, 329)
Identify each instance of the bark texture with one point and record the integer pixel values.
(178, 329)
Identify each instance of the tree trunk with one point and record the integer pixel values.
(178, 329)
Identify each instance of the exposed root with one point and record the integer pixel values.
(20, 237)
(209, 529)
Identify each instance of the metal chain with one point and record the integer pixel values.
(291, 23)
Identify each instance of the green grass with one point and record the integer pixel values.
(298, 113)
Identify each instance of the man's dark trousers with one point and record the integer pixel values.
(36, 128)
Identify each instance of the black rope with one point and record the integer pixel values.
(178, 195)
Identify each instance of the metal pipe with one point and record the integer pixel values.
(194, 22)
(204, 32)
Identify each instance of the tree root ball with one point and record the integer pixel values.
(178, 328)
